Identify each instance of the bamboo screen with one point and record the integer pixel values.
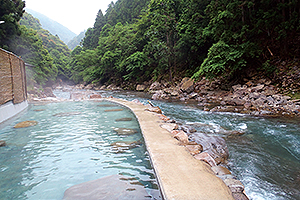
(12, 78)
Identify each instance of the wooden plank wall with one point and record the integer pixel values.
(12, 78)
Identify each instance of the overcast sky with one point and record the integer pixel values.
(76, 15)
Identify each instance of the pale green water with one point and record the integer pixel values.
(41, 162)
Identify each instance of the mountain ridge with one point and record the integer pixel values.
(53, 26)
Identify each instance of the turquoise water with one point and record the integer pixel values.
(266, 159)
(70, 145)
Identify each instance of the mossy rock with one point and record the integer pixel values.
(26, 124)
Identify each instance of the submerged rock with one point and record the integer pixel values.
(125, 131)
(123, 119)
(38, 110)
(65, 114)
(121, 146)
(107, 105)
(2, 143)
(26, 124)
(110, 187)
(113, 110)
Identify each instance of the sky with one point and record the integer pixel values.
(76, 15)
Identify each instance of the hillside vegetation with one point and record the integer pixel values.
(147, 40)
(141, 40)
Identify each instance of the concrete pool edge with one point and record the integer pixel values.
(179, 175)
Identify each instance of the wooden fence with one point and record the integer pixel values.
(12, 78)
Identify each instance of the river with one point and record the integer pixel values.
(266, 159)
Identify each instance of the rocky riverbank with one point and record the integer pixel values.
(258, 98)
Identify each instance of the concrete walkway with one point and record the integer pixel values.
(180, 176)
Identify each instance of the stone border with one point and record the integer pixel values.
(179, 174)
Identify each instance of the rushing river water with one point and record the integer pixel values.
(266, 159)
(71, 144)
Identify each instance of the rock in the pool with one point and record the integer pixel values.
(123, 119)
(111, 187)
(26, 124)
(2, 143)
(125, 131)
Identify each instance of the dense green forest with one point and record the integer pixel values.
(143, 40)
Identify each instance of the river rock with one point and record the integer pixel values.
(214, 145)
(187, 85)
(194, 149)
(234, 185)
(95, 96)
(182, 137)
(48, 92)
(141, 87)
(169, 126)
(155, 86)
(155, 109)
(2, 143)
(163, 117)
(220, 170)
(125, 131)
(110, 187)
(204, 156)
(26, 124)
(239, 196)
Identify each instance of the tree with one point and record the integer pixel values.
(11, 12)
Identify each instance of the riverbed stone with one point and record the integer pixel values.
(155, 86)
(239, 196)
(155, 109)
(204, 156)
(187, 85)
(141, 87)
(95, 96)
(110, 187)
(194, 149)
(182, 137)
(234, 185)
(2, 143)
(26, 124)
(125, 131)
(169, 126)
(220, 170)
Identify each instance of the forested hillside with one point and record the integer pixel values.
(53, 27)
(24, 36)
(76, 40)
(140, 40)
(143, 40)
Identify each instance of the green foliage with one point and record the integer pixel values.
(57, 49)
(11, 12)
(30, 47)
(139, 40)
